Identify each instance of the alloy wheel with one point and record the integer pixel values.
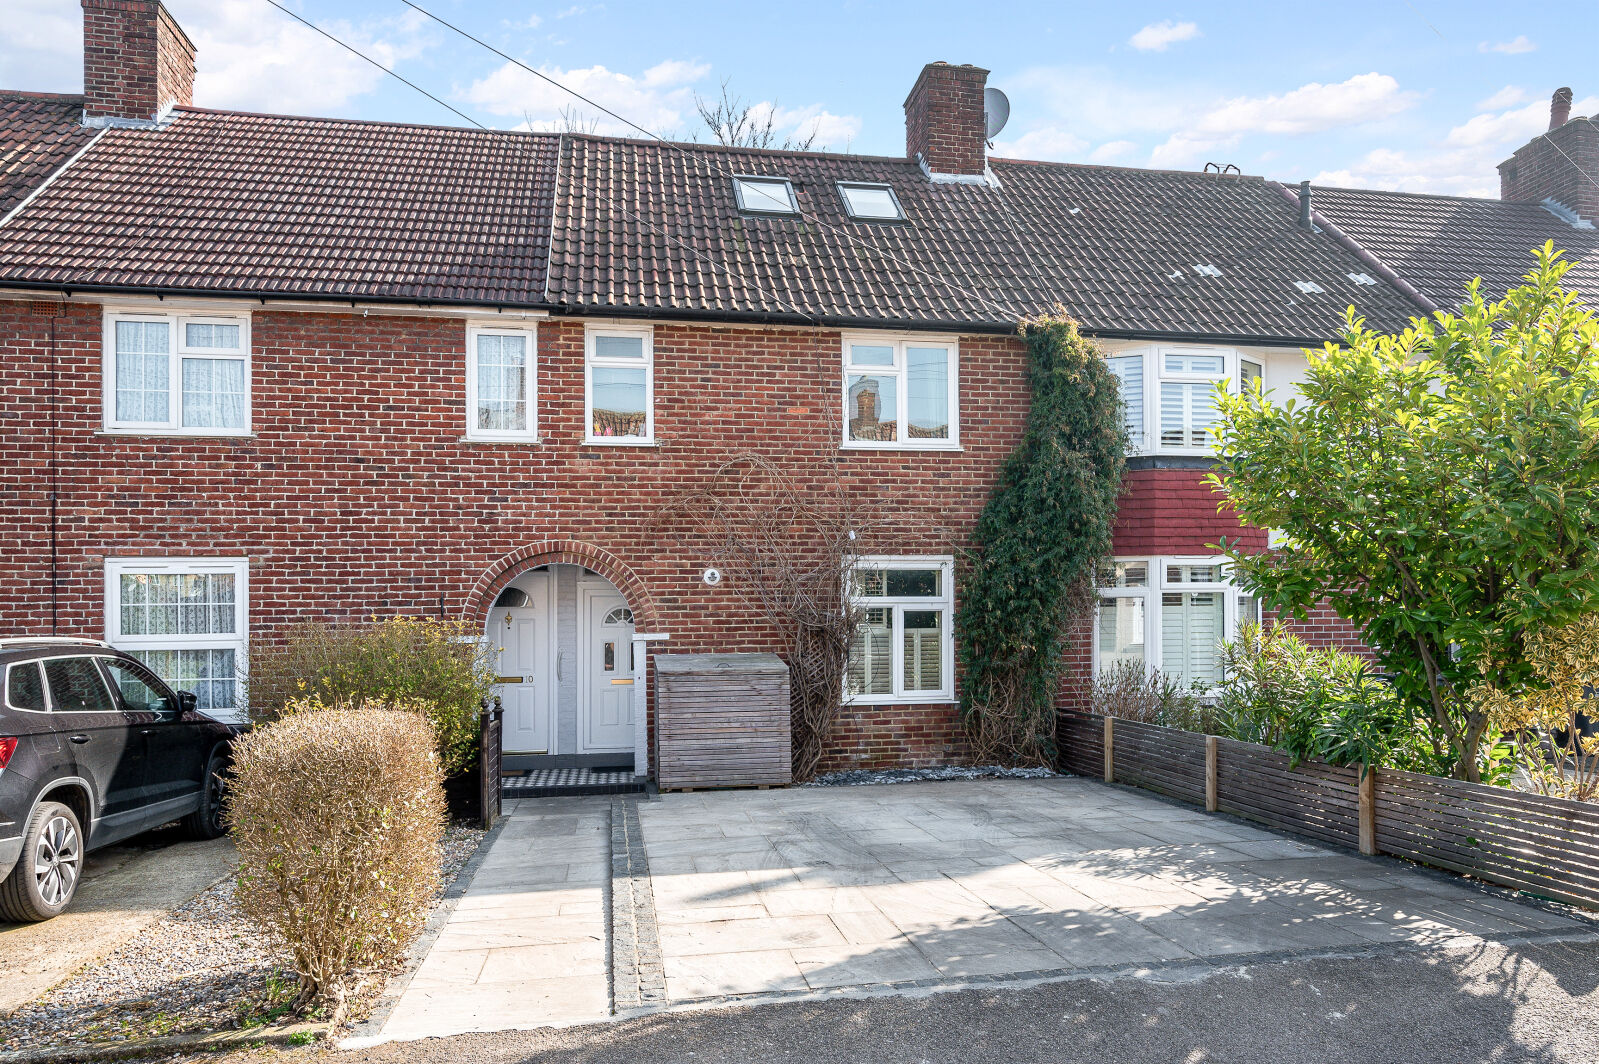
(56, 861)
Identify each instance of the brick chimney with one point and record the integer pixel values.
(944, 124)
(1562, 164)
(137, 62)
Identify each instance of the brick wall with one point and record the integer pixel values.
(1563, 164)
(136, 59)
(944, 121)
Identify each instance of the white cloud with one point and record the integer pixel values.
(832, 131)
(1048, 142)
(1514, 47)
(1461, 163)
(1310, 108)
(1158, 36)
(659, 99)
(1112, 150)
(1509, 96)
(42, 47)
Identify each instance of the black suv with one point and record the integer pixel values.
(94, 747)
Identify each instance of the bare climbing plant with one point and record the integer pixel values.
(785, 549)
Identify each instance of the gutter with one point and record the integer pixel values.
(270, 296)
(1355, 248)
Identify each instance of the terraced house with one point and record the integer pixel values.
(256, 369)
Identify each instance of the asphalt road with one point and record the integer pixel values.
(1488, 1003)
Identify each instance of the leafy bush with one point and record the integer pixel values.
(337, 816)
(1126, 690)
(1320, 704)
(442, 667)
(1042, 533)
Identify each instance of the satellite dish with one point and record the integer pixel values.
(996, 111)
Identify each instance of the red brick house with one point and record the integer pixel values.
(257, 369)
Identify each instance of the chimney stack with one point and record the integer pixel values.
(945, 128)
(1560, 165)
(137, 62)
(1559, 108)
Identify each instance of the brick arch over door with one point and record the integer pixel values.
(569, 552)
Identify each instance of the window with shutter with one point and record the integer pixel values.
(1129, 371)
(902, 650)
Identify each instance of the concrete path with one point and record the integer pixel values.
(790, 893)
(526, 946)
(125, 888)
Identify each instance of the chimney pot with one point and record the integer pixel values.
(944, 121)
(1559, 108)
(137, 61)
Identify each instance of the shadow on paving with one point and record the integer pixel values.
(1535, 1003)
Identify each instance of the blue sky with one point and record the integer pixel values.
(1424, 95)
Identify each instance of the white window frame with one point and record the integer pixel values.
(1157, 585)
(530, 384)
(844, 188)
(1155, 374)
(238, 641)
(591, 361)
(944, 603)
(899, 342)
(173, 425)
(770, 211)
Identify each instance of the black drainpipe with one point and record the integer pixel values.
(55, 491)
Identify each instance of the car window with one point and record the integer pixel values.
(140, 691)
(76, 686)
(25, 687)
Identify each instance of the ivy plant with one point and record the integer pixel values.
(1030, 570)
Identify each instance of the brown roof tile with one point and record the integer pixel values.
(38, 133)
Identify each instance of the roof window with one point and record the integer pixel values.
(873, 203)
(1363, 278)
(1205, 269)
(765, 195)
(1310, 288)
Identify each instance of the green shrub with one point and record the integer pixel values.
(1128, 691)
(337, 816)
(441, 667)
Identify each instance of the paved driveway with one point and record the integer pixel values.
(781, 893)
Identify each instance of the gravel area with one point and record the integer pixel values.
(202, 967)
(863, 778)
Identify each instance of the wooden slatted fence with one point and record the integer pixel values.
(1547, 846)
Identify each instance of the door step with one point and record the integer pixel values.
(568, 782)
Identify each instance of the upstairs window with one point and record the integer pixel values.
(903, 650)
(900, 392)
(501, 384)
(1169, 394)
(185, 619)
(619, 394)
(871, 203)
(177, 374)
(765, 195)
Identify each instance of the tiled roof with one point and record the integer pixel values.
(645, 226)
(221, 201)
(1439, 243)
(38, 132)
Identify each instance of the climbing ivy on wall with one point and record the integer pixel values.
(1029, 574)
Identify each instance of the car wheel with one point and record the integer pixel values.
(47, 873)
(207, 822)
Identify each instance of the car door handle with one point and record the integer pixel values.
(79, 739)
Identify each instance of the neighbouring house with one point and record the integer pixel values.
(258, 369)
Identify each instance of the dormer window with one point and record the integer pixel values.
(871, 203)
(765, 195)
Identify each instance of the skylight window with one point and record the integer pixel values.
(1205, 269)
(1363, 278)
(873, 203)
(1310, 288)
(765, 195)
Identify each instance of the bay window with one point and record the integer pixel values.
(903, 650)
(1169, 394)
(1168, 615)
(176, 374)
(619, 386)
(501, 384)
(185, 619)
(900, 392)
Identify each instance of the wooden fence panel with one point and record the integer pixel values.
(490, 782)
(1082, 743)
(1164, 760)
(1256, 782)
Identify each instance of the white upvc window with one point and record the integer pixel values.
(186, 618)
(1170, 394)
(177, 374)
(901, 392)
(904, 649)
(619, 384)
(1168, 615)
(502, 393)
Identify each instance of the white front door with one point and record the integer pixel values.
(525, 681)
(607, 712)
